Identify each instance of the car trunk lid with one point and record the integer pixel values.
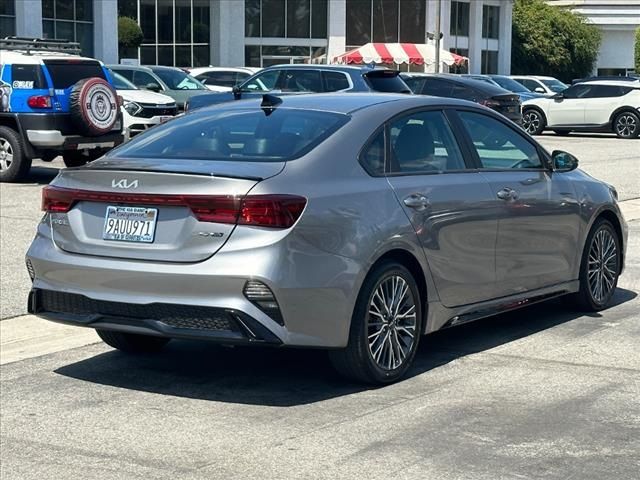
(181, 217)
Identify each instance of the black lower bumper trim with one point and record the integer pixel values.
(222, 325)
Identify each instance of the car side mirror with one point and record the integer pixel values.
(563, 161)
(558, 96)
(539, 90)
(237, 93)
(154, 87)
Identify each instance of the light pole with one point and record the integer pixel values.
(437, 34)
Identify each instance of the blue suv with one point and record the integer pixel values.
(53, 102)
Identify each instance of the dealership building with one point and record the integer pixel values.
(265, 32)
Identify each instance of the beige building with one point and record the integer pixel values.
(618, 21)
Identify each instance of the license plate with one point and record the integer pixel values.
(130, 224)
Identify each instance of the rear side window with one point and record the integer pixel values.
(386, 81)
(65, 73)
(372, 157)
(498, 146)
(605, 91)
(224, 79)
(335, 81)
(237, 135)
(437, 87)
(27, 77)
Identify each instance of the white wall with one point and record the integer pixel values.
(105, 30)
(616, 50)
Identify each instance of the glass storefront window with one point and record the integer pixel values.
(385, 20)
(490, 21)
(176, 32)
(7, 18)
(298, 18)
(358, 22)
(489, 62)
(273, 18)
(69, 20)
(319, 18)
(412, 21)
(459, 20)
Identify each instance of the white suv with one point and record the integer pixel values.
(601, 106)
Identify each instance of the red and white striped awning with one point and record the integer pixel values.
(410, 53)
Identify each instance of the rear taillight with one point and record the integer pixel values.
(490, 103)
(277, 211)
(39, 101)
(274, 211)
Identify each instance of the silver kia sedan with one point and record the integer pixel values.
(353, 223)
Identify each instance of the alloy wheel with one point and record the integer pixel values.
(626, 125)
(6, 154)
(531, 121)
(603, 265)
(391, 324)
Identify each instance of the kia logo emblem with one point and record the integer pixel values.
(124, 183)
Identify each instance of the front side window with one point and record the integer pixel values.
(498, 146)
(579, 91)
(422, 142)
(263, 82)
(236, 136)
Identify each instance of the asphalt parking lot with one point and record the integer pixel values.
(541, 393)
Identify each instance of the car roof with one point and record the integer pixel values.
(129, 67)
(346, 103)
(535, 77)
(10, 57)
(614, 83)
(162, 67)
(224, 69)
(320, 66)
(471, 82)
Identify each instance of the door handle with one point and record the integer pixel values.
(417, 201)
(507, 194)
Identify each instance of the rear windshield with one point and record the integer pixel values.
(250, 135)
(386, 81)
(65, 73)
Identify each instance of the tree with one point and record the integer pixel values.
(129, 37)
(549, 40)
(638, 50)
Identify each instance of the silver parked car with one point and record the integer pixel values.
(355, 223)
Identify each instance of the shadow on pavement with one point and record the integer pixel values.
(41, 175)
(289, 377)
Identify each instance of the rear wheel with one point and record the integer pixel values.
(627, 125)
(14, 166)
(533, 121)
(599, 268)
(385, 328)
(132, 342)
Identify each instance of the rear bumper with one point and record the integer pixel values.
(227, 326)
(316, 304)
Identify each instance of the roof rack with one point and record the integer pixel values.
(39, 45)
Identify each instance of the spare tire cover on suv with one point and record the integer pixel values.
(93, 106)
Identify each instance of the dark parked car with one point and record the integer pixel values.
(292, 79)
(508, 84)
(456, 86)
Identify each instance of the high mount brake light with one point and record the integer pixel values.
(274, 211)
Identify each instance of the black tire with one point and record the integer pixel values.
(14, 165)
(76, 158)
(562, 133)
(356, 361)
(627, 125)
(93, 106)
(132, 342)
(585, 300)
(533, 121)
